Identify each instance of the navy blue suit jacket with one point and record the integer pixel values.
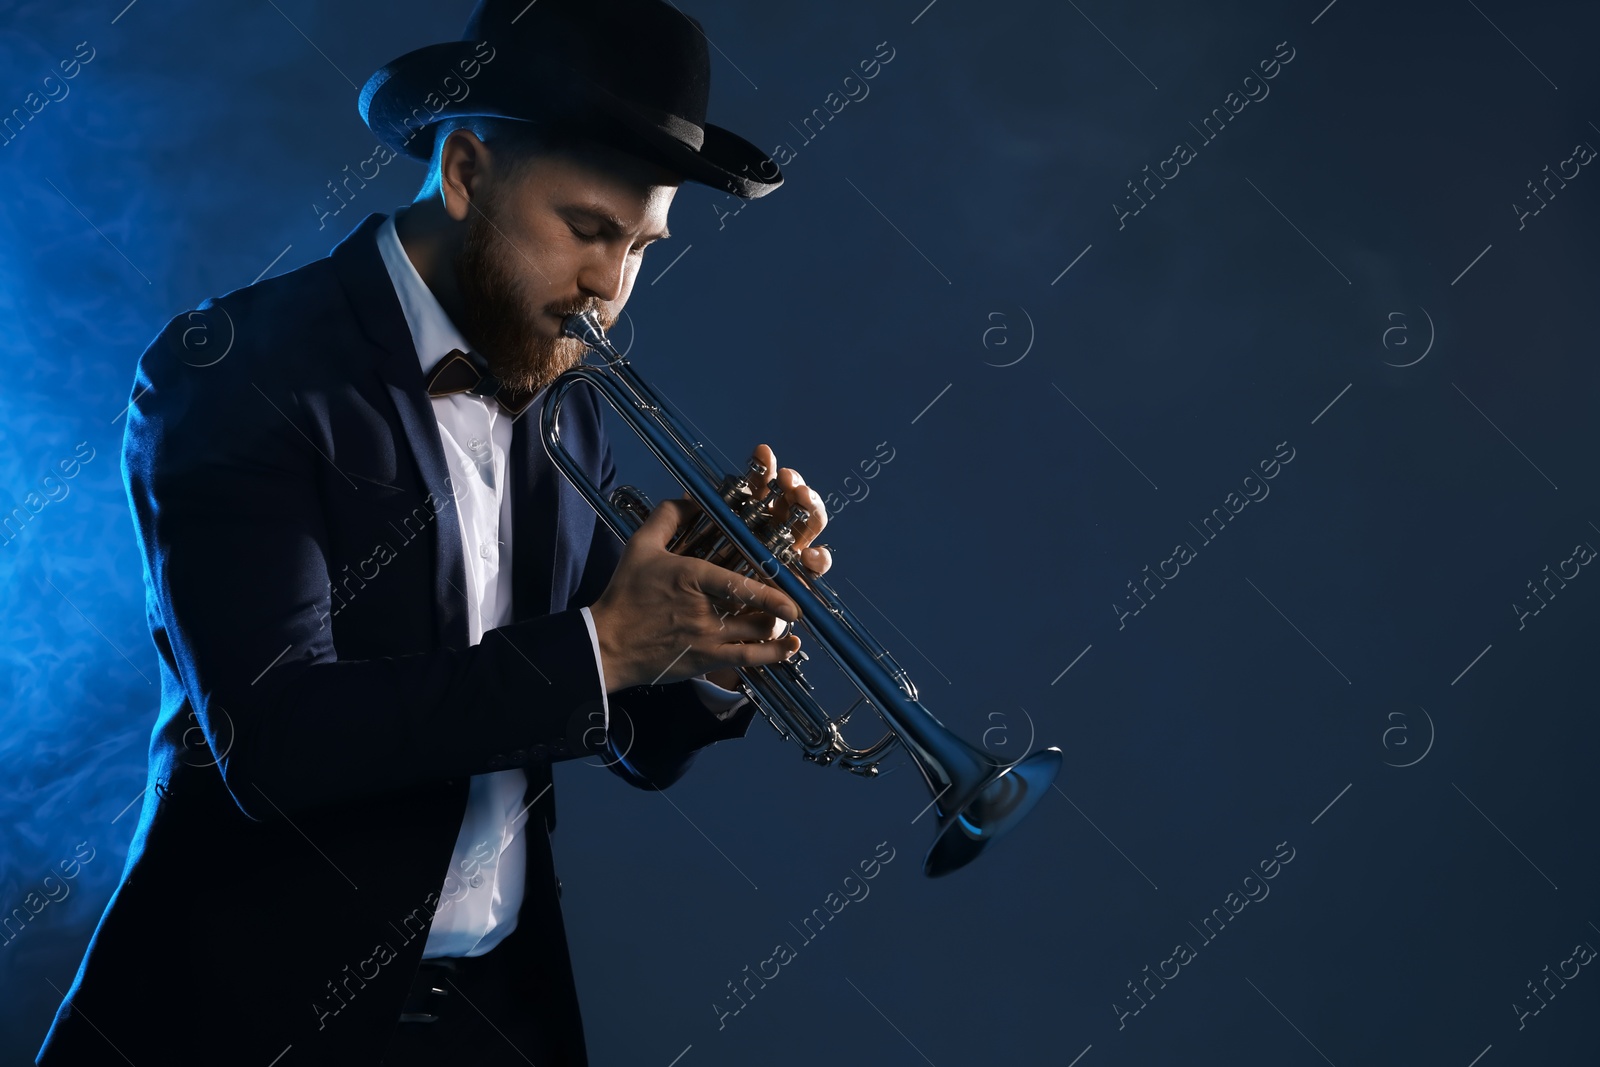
(321, 709)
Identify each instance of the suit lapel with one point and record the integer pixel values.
(535, 518)
(547, 514)
(366, 281)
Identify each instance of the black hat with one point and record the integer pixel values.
(635, 72)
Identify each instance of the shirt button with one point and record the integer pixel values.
(483, 550)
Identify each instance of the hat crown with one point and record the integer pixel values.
(635, 74)
(644, 52)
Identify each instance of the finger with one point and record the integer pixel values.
(664, 520)
(764, 456)
(756, 653)
(796, 493)
(750, 626)
(817, 558)
(722, 585)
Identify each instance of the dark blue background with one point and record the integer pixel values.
(918, 244)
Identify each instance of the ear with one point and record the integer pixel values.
(463, 168)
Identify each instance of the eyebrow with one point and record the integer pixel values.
(610, 221)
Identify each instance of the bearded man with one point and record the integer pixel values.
(381, 613)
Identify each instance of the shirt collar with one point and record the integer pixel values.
(432, 333)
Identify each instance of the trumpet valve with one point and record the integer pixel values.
(779, 536)
(631, 501)
(735, 491)
(791, 667)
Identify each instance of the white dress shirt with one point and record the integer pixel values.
(484, 885)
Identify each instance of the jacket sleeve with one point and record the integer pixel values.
(223, 484)
(655, 731)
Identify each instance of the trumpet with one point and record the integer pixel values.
(977, 800)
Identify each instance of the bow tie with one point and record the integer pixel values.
(457, 373)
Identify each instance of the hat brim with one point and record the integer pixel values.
(402, 102)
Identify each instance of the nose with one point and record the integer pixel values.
(605, 276)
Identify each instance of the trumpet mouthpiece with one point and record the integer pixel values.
(585, 326)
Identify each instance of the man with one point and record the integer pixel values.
(343, 855)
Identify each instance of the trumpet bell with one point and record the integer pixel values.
(1001, 803)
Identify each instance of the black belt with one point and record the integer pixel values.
(431, 990)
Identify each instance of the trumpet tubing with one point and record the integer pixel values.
(738, 528)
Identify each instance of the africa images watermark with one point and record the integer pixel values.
(455, 90)
(1581, 556)
(870, 468)
(855, 91)
(20, 916)
(456, 887)
(54, 488)
(1582, 154)
(1185, 153)
(1185, 953)
(416, 923)
(12, 125)
(1582, 955)
(1185, 553)
(383, 553)
(855, 890)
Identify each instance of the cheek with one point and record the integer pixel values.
(629, 276)
(525, 273)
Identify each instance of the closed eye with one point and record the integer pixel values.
(637, 250)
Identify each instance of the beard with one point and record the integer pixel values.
(500, 319)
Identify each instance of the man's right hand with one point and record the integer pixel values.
(666, 617)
